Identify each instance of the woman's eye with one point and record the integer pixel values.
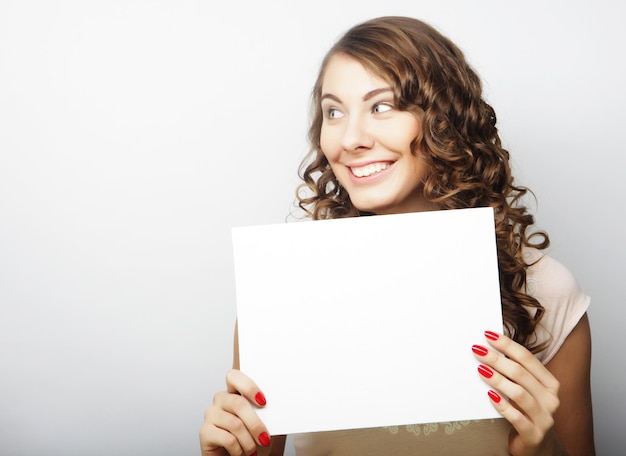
(381, 107)
(333, 113)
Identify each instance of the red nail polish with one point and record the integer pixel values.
(492, 335)
(253, 454)
(264, 439)
(479, 350)
(485, 371)
(494, 396)
(260, 398)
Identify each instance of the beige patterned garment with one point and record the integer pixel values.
(468, 438)
(555, 288)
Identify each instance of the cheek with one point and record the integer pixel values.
(420, 169)
(411, 127)
(327, 145)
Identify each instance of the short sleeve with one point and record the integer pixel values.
(556, 289)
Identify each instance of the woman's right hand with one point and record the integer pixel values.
(231, 425)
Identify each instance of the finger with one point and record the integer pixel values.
(232, 433)
(522, 367)
(517, 374)
(214, 441)
(235, 414)
(523, 357)
(527, 430)
(525, 402)
(239, 383)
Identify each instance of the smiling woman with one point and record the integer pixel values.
(368, 142)
(400, 125)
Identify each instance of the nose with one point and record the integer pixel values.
(357, 135)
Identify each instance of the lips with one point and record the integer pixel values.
(369, 169)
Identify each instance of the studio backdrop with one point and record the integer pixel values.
(135, 134)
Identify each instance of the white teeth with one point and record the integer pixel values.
(370, 169)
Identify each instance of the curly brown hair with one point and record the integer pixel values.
(468, 167)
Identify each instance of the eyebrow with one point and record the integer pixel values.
(369, 95)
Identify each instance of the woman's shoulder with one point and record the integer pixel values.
(555, 287)
(548, 277)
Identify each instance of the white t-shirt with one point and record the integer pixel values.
(555, 288)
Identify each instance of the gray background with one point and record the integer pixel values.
(135, 134)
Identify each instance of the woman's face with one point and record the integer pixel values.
(367, 141)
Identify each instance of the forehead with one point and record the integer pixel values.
(344, 74)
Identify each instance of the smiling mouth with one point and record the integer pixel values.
(368, 170)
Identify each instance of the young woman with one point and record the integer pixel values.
(400, 125)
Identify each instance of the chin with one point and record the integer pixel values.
(373, 208)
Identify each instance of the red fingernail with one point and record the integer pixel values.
(494, 396)
(491, 335)
(485, 371)
(264, 439)
(260, 398)
(479, 350)
(253, 454)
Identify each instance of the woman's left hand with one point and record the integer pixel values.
(524, 392)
